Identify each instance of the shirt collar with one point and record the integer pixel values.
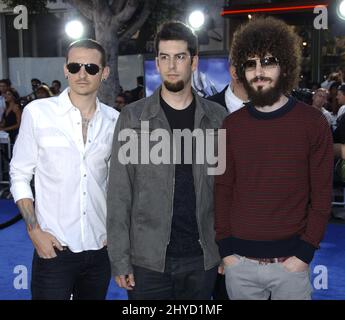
(233, 103)
(65, 104)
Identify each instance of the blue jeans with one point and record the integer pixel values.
(84, 275)
(182, 279)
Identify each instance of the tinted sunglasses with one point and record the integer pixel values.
(266, 63)
(90, 68)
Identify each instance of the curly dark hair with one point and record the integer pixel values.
(264, 35)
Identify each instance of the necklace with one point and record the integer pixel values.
(85, 122)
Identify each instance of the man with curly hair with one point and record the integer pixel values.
(274, 199)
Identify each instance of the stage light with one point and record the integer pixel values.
(196, 19)
(341, 10)
(74, 29)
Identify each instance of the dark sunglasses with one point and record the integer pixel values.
(266, 63)
(90, 68)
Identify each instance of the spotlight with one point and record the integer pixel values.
(196, 19)
(74, 29)
(341, 10)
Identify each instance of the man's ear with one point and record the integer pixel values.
(157, 64)
(233, 73)
(195, 62)
(65, 71)
(105, 73)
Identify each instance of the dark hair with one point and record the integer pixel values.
(36, 80)
(57, 82)
(88, 44)
(15, 94)
(122, 95)
(342, 88)
(140, 80)
(261, 36)
(334, 84)
(45, 89)
(176, 30)
(7, 82)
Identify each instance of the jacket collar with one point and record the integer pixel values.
(153, 109)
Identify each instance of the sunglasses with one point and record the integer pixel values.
(266, 63)
(90, 68)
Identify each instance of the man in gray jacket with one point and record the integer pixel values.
(160, 219)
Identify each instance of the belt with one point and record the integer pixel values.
(269, 260)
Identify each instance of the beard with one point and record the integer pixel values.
(260, 97)
(174, 87)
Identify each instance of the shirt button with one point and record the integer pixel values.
(84, 213)
(84, 193)
(78, 123)
(84, 175)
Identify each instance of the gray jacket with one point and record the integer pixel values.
(140, 196)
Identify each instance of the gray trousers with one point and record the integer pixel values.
(250, 280)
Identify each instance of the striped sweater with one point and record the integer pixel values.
(274, 199)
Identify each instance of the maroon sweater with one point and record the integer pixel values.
(274, 199)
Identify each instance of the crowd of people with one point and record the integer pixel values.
(174, 230)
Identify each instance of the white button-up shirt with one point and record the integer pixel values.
(70, 176)
(233, 103)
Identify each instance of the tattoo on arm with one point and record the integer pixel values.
(27, 210)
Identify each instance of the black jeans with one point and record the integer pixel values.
(183, 279)
(219, 292)
(84, 275)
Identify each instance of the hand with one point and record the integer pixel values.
(230, 260)
(221, 269)
(44, 243)
(125, 281)
(293, 264)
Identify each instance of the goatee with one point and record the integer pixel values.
(174, 87)
(260, 98)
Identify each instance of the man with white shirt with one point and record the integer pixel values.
(320, 98)
(233, 95)
(341, 100)
(66, 143)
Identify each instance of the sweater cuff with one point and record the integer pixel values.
(305, 252)
(225, 247)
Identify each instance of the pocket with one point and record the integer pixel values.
(233, 265)
(46, 261)
(293, 272)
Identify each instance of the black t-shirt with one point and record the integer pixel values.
(184, 230)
